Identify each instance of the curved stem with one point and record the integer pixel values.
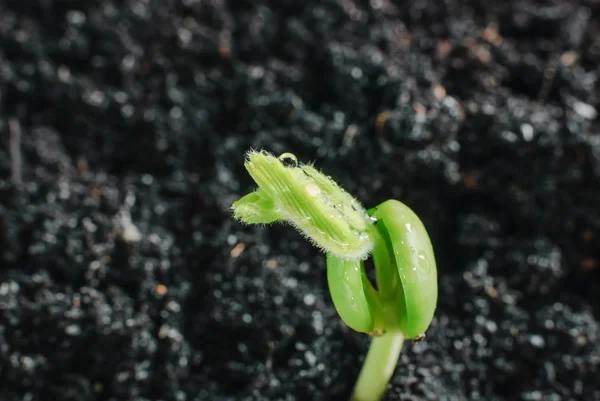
(378, 367)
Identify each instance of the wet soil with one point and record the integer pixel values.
(123, 130)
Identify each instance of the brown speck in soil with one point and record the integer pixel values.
(237, 250)
(82, 166)
(439, 92)
(161, 290)
(483, 55)
(96, 193)
(225, 51)
(444, 47)
(420, 109)
(380, 123)
(404, 40)
(589, 264)
(588, 235)
(490, 34)
(470, 181)
(492, 292)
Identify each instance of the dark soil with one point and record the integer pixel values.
(123, 132)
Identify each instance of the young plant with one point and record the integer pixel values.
(403, 303)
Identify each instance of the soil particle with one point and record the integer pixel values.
(123, 131)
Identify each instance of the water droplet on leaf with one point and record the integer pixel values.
(424, 261)
(371, 218)
(313, 190)
(288, 160)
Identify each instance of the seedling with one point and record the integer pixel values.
(403, 303)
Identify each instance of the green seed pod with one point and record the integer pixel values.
(413, 256)
(307, 199)
(354, 298)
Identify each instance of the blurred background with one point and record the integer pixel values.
(123, 128)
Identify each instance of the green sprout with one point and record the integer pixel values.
(402, 304)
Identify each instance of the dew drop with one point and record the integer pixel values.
(288, 160)
(371, 218)
(313, 190)
(424, 261)
(363, 237)
(348, 276)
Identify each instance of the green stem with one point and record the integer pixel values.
(378, 368)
